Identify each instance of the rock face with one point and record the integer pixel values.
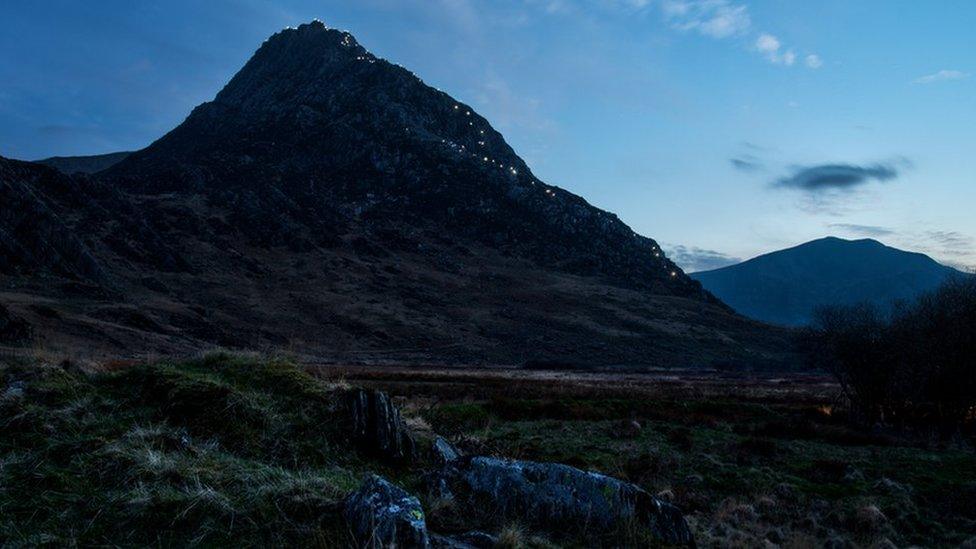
(381, 515)
(557, 497)
(378, 427)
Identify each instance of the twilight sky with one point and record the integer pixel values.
(721, 128)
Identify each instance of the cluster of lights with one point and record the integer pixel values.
(462, 149)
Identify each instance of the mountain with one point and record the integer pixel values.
(785, 287)
(84, 164)
(330, 203)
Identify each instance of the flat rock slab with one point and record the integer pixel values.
(562, 499)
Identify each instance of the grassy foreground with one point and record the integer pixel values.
(220, 451)
(229, 451)
(751, 464)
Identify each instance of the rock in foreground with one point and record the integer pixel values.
(558, 497)
(378, 427)
(382, 515)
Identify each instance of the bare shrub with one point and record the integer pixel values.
(915, 364)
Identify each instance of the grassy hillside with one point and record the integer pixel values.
(213, 452)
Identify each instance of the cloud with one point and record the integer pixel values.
(842, 177)
(693, 259)
(746, 163)
(952, 241)
(771, 48)
(863, 230)
(814, 61)
(940, 76)
(713, 18)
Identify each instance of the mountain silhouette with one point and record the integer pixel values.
(786, 287)
(330, 202)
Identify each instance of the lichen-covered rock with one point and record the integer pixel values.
(443, 451)
(559, 498)
(378, 427)
(382, 515)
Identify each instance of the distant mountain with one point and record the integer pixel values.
(785, 287)
(330, 203)
(84, 164)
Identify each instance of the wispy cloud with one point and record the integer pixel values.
(874, 231)
(693, 259)
(746, 163)
(726, 19)
(828, 177)
(771, 48)
(714, 18)
(941, 76)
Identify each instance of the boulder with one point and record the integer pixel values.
(378, 427)
(382, 515)
(560, 498)
(443, 451)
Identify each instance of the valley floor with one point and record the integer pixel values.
(753, 460)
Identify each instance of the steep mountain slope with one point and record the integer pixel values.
(330, 135)
(330, 203)
(84, 164)
(785, 287)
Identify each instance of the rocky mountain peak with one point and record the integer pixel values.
(315, 135)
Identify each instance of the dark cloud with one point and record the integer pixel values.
(828, 177)
(863, 230)
(746, 163)
(693, 259)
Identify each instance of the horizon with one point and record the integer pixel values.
(621, 102)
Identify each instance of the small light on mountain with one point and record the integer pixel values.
(674, 274)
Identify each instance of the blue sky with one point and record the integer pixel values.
(721, 128)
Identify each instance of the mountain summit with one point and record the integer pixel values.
(332, 137)
(785, 287)
(330, 202)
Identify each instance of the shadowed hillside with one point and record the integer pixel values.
(785, 287)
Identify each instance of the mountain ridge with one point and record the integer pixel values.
(785, 286)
